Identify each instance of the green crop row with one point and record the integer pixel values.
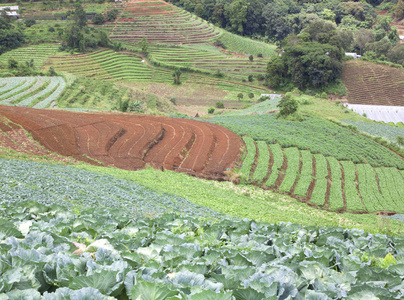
(336, 199)
(368, 188)
(335, 168)
(249, 160)
(277, 165)
(261, 170)
(293, 159)
(314, 134)
(321, 166)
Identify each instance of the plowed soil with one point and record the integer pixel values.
(131, 141)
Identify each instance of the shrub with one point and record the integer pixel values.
(51, 29)
(219, 74)
(240, 96)
(260, 77)
(324, 95)
(112, 14)
(250, 78)
(173, 100)
(98, 19)
(219, 104)
(400, 140)
(29, 22)
(263, 98)
(250, 95)
(251, 58)
(211, 110)
(259, 55)
(288, 105)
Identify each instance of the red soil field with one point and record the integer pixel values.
(130, 141)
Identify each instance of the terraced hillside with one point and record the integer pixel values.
(38, 92)
(160, 22)
(323, 181)
(373, 84)
(40, 53)
(232, 66)
(133, 141)
(109, 65)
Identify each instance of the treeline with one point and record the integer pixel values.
(358, 24)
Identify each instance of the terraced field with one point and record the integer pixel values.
(40, 53)
(109, 65)
(133, 141)
(37, 92)
(160, 22)
(233, 66)
(373, 84)
(323, 181)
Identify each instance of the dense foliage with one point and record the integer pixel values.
(316, 135)
(10, 36)
(50, 251)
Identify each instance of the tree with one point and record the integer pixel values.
(277, 72)
(288, 105)
(240, 96)
(112, 14)
(237, 15)
(250, 95)
(362, 37)
(80, 17)
(177, 76)
(29, 22)
(144, 46)
(399, 10)
(345, 39)
(328, 15)
(396, 54)
(251, 58)
(98, 19)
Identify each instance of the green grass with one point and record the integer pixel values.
(246, 201)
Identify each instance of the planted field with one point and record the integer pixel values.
(236, 43)
(160, 22)
(105, 253)
(132, 141)
(385, 131)
(232, 66)
(373, 84)
(323, 181)
(39, 53)
(37, 92)
(109, 65)
(314, 134)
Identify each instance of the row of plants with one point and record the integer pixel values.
(314, 134)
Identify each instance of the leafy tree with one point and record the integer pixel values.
(218, 15)
(345, 39)
(80, 17)
(250, 95)
(177, 76)
(98, 19)
(250, 78)
(10, 36)
(211, 110)
(240, 96)
(251, 58)
(276, 71)
(381, 47)
(288, 105)
(396, 54)
(112, 14)
(144, 45)
(328, 14)
(362, 37)
(237, 15)
(12, 63)
(219, 104)
(399, 10)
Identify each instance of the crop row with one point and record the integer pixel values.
(36, 92)
(239, 44)
(314, 134)
(324, 181)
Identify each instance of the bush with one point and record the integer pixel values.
(251, 58)
(211, 110)
(112, 14)
(324, 95)
(263, 98)
(219, 74)
(98, 19)
(51, 29)
(260, 77)
(259, 55)
(250, 95)
(240, 96)
(29, 22)
(250, 78)
(219, 43)
(173, 100)
(288, 105)
(219, 104)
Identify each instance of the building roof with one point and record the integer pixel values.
(9, 7)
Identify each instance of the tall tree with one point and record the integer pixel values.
(362, 37)
(237, 15)
(80, 16)
(399, 10)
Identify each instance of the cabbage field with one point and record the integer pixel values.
(49, 252)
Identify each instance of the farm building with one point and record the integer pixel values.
(271, 96)
(11, 11)
(353, 54)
